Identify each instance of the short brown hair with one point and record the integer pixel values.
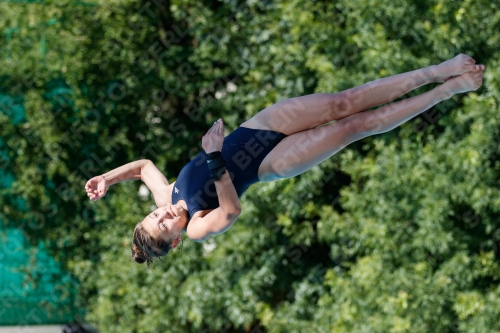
(145, 248)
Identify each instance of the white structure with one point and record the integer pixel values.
(31, 329)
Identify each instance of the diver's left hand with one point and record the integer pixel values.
(213, 140)
(96, 187)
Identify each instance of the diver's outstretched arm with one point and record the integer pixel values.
(144, 170)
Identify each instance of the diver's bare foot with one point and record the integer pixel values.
(469, 81)
(456, 66)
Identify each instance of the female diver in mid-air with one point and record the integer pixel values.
(282, 141)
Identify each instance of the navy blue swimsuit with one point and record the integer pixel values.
(243, 150)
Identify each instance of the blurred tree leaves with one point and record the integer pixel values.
(396, 233)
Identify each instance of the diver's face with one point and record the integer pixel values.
(166, 222)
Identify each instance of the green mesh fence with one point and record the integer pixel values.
(48, 299)
(33, 289)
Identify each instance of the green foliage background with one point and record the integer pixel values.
(399, 232)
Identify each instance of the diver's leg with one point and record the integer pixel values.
(306, 112)
(301, 151)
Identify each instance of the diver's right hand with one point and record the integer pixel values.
(214, 139)
(96, 187)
